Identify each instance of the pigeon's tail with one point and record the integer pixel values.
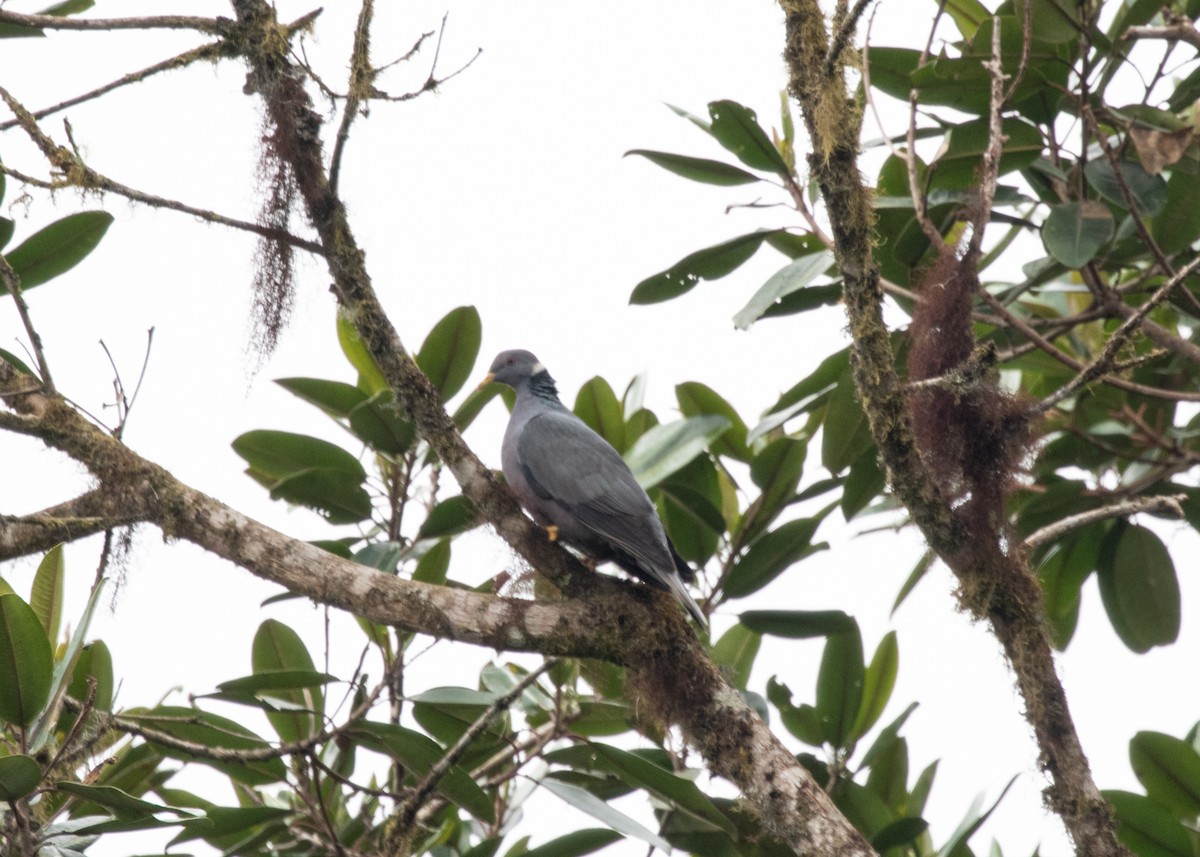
(675, 585)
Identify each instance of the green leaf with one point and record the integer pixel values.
(736, 128)
(197, 726)
(370, 377)
(419, 753)
(277, 648)
(575, 844)
(1178, 225)
(1074, 232)
(664, 449)
(372, 419)
(599, 810)
(46, 597)
(16, 362)
(57, 248)
(689, 505)
(840, 686)
(770, 555)
(279, 454)
(449, 518)
(776, 470)
(711, 263)
(735, 652)
(664, 784)
(448, 354)
(696, 399)
(883, 741)
(338, 496)
(900, 832)
(1146, 828)
(473, 404)
(19, 776)
(864, 483)
(26, 662)
(959, 163)
(798, 624)
(698, 169)
(1139, 588)
(1149, 192)
(597, 405)
(791, 278)
(971, 822)
(7, 226)
(124, 805)
(95, 662)
(276, 680)
(432, 567)
(967, 16)
(800, 720)
(846, 433)
(1169, 769)
(878, 682)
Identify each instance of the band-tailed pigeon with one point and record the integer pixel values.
(578, 487)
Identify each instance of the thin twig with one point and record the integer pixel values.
(1161, 506)
(202, 53)
(12, 283)
(361, 79)
(215, 26)
(408, 811)
(989, 173)
(910, 156)
(1104, 361)
(1183, 31)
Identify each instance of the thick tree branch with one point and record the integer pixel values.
(996, 583)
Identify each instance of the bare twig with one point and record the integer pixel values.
(910, 156)
(990, 171)
(214, 26)
(12, 283)
(358, 88)
(844, 32)
(1162, 506)
(1183, 31)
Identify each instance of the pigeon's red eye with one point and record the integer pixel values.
(511, 361)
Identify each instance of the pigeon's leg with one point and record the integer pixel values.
(552, 532)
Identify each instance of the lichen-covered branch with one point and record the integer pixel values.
(995, 581)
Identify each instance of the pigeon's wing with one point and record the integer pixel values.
(568, 463)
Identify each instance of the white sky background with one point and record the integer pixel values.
(507, 191)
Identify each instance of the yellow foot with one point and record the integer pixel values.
(552, 532)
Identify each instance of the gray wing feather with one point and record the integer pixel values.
(567, 462)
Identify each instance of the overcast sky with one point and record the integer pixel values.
(506, 190)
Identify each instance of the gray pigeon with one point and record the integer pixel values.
(578, 487)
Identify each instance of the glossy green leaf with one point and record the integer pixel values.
(449, 352)
(971, 822)
(46, 596)
(1139, 587)
(800, 720)
(26, 662)
(1062, 574)
(601, 719)
(1149, 192)
(736, 128)
(967, 16)
(449, 518)
(57, 248)
(958, 165)
(878, 682)
(419, 753)
(1169, 769)
(798, 624)
(372, 419)
(7, 225)
(770, 555)
(16, 362)
(1178, 225)
(279, 454)
(370, 378)
(883, 741)
(234, 826)
(864, 482)
(383, 556)
(793, 277)
(19, 776)
(272, 681)
(664, 449)
(735, 653)
(711, 263)
(575, 844)
(846, 434)
(124, 805)
(689, 509)
(197, 726)
(94, 662)
(432, 567)
(1074, 232)
(664, 784)
(696, 399)
(840, 686)
(1146, 828)
(698, 169)
(776, 470)
(338, 496)
(900, 832)
(597, 405)
(474, 403)
(277, 648)
(599, 810)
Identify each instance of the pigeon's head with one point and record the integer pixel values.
(515, 368)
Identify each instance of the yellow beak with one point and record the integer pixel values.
(487, 380)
